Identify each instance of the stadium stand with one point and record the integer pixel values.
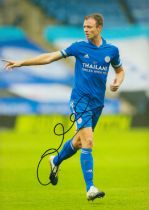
(73, 11)
(139, 10)
(30, 90)
(60, 22)
(116, 12)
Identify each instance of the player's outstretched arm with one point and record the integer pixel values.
(42, 59)
(118, 79)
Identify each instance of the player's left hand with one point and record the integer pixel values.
(114, 86)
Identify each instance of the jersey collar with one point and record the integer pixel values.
(102, 43)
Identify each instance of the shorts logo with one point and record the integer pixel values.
(86, 56)
(107, 59)
(71, 104)
(79, 120)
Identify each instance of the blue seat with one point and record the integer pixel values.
(73, 11)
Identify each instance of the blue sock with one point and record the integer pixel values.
(67, 151)
(87, 166)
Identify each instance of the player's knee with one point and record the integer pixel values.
(88, 143)
(77, 143)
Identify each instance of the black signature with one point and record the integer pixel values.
(63, 132)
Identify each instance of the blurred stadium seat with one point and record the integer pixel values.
(30, 89)
(140, 10)
(73, 11)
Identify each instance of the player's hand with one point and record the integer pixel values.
(114, 86)
(11, 64)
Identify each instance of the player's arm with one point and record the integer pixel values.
(119, 77)
(42, 59)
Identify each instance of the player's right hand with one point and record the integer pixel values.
(11, 64)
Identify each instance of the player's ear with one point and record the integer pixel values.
(99, 27)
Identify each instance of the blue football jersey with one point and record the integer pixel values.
(91, 69)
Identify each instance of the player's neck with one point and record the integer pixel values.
(97, 41)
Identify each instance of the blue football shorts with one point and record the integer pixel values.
(84, 115)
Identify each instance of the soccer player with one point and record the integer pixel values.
(93, 58)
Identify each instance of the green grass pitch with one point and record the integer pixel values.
(121, 162)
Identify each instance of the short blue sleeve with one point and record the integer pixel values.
(116, 61)
(70, 51)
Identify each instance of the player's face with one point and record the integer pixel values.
(91, 29)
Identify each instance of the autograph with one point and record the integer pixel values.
(63, 132)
